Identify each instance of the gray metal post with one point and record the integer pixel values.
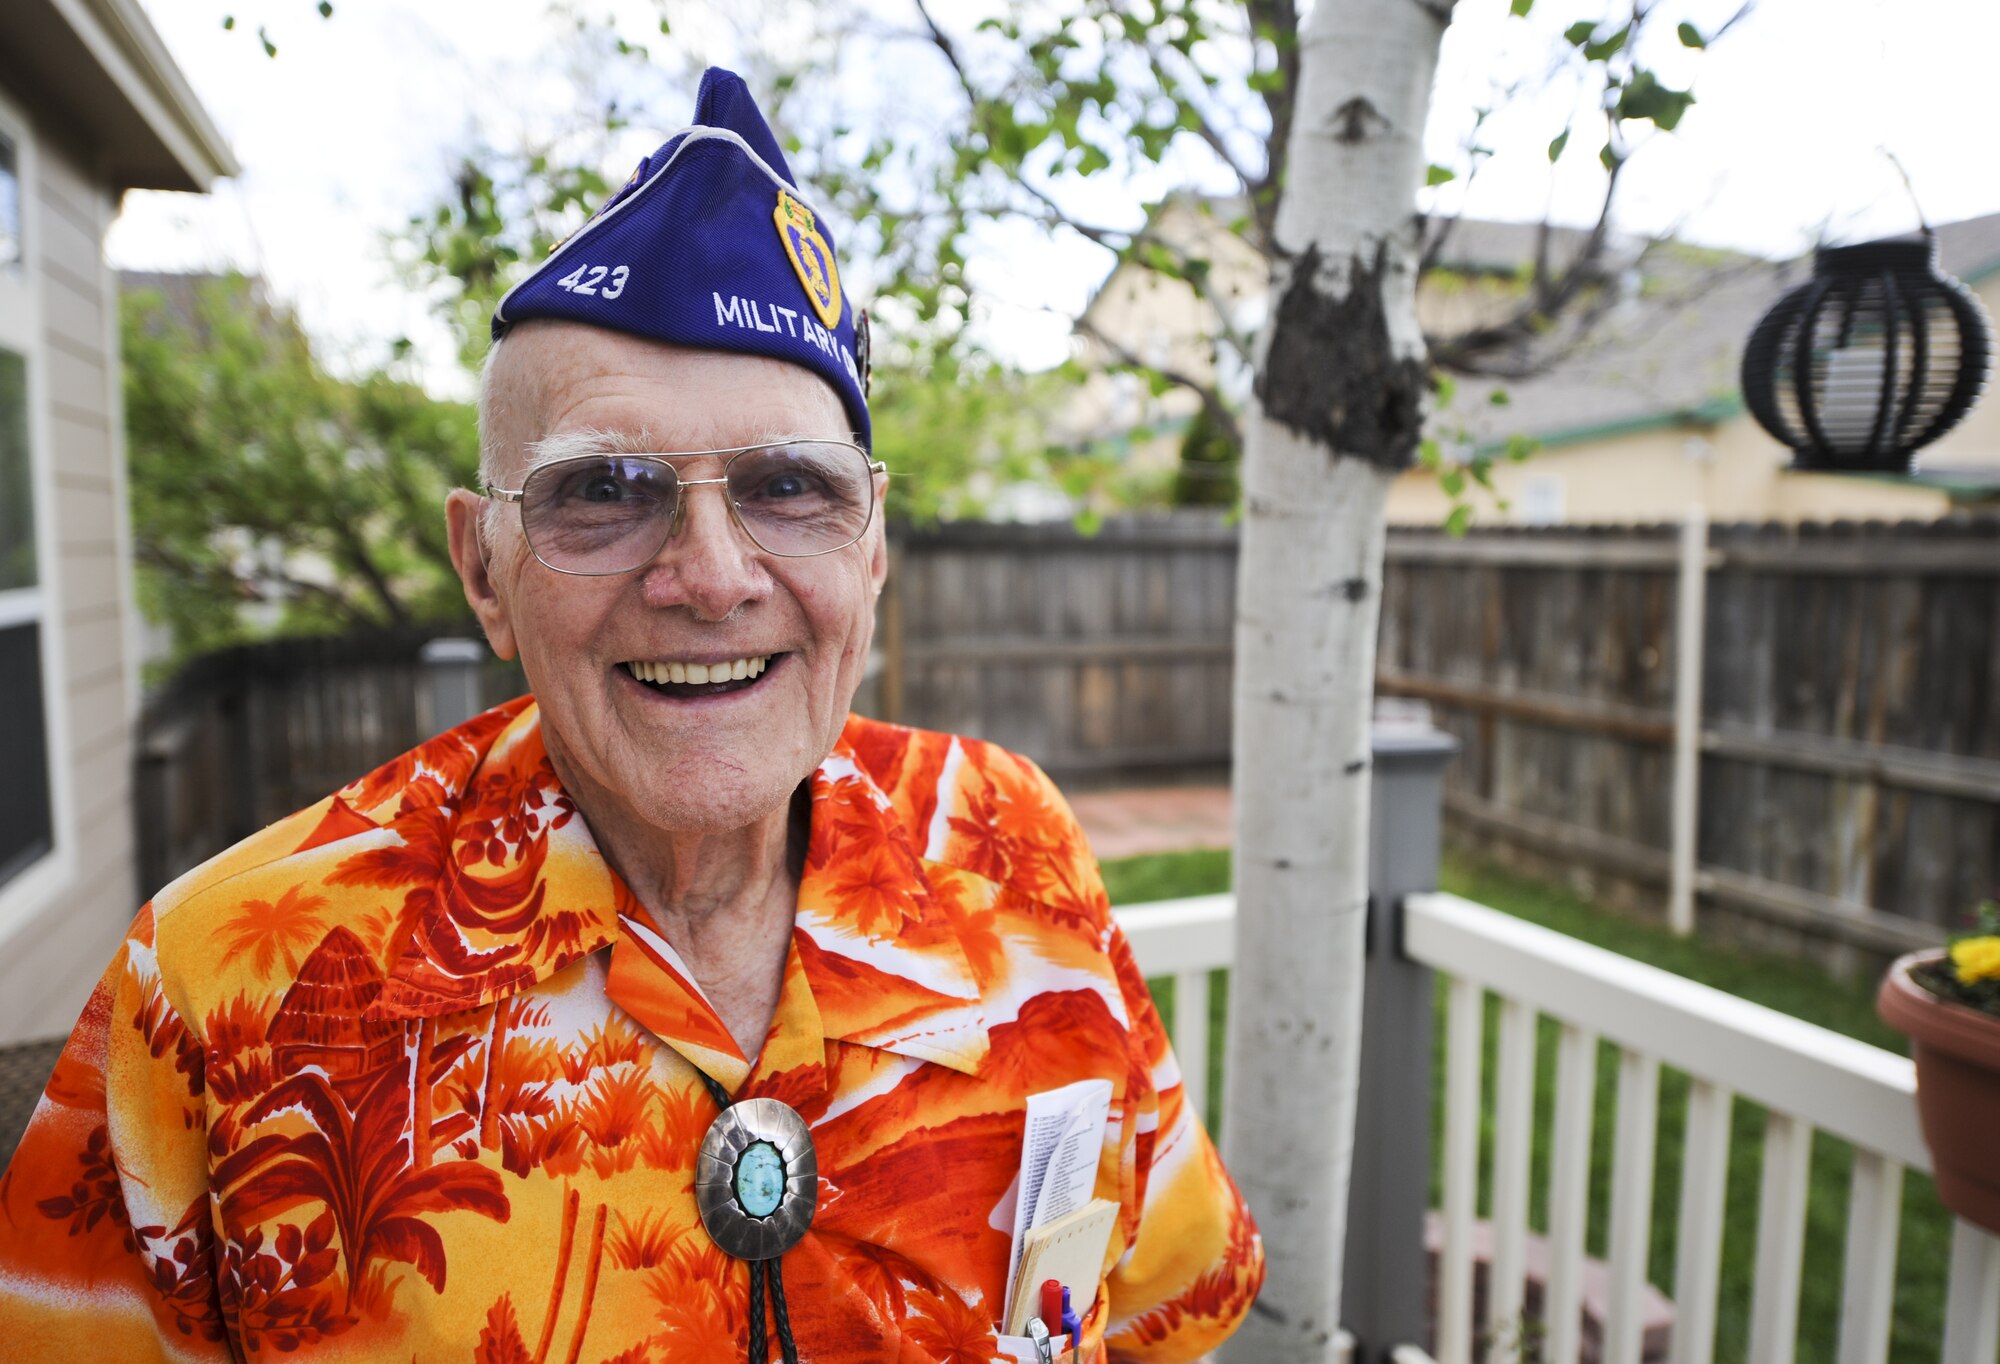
(1382, 1298)
(451, 683)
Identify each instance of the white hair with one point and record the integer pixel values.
(489, 448)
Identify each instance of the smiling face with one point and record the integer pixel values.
(602, 653)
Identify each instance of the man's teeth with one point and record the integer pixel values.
(700, 673)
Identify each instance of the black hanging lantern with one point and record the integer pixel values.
(1874, 358)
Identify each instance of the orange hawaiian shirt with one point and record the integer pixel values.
(409, 1076)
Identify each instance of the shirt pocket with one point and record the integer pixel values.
(1021, 1349)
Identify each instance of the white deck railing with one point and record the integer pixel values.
(1805, 1076)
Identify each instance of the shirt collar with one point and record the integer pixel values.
(513, 889)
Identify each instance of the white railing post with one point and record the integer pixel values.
(1463, 1034)
(1513, 1145)
(1631, 1207)
(1972, 1302)
(1781, 1238)
(1868, 1282)
(1569, 1191)
(1689, 623)
(1384, 1270)
(1190, 1033)
(1704, 1190)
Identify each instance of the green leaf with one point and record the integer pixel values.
(1645, 98)
(270, 48)
(1578, 33)
(1691, 36)
(1452, 481)
(1556, 146)
(1428, 454)
(664, 26)
(1439, 175)
(1519, 9)
(1088, 521)
(1459, 520)
(1609, 47)
(1608, 157)
(326, 9)
(228, 22)
(1445, 387)
(1499, 397)
(1520, 448)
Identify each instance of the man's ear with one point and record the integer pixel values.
(463, 513)
(878, 553)
(878, 563)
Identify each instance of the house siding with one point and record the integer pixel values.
(60, 946)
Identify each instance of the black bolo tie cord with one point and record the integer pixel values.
(760, 1350)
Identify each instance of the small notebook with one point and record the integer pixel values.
(1069, 1250)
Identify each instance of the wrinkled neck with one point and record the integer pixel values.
(725, 899)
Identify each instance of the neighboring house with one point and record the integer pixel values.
(1635, 423)
(1647, 417)
(1140, 315)
(90, 105)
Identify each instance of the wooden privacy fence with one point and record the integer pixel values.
(1832, 694)
(247, 735)
(1821, 766)
(1100, 656)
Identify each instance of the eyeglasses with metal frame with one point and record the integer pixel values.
(603, 514)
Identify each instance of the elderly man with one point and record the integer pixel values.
(667, 1014)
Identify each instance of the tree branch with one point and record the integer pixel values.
(186, 571)
(1211, 401)
(358, 557)
(1482, 351)
(975, 105)
(1280, 19)
(1174, 85)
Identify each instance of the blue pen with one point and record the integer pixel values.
(1072, 1324)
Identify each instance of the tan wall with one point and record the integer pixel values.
(57, 948)
(1163, 322)
(1734, 470)
(1975, 441)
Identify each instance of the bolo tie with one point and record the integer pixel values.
(756, 1183)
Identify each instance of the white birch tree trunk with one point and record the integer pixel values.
(1340, 385)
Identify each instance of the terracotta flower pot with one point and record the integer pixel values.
(1957, 1051)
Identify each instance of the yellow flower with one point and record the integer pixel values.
(1977, 959)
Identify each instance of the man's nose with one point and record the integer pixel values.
(708, 564)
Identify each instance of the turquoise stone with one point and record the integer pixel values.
(760, 1179)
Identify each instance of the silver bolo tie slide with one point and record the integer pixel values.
(756, 1183)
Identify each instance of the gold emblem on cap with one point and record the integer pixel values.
(811, 257)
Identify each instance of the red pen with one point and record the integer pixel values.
(1052, 1305)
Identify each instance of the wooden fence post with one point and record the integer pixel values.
(451, 693)
(1690, 622)
(890, 618)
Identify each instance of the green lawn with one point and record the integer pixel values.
(1789, 986)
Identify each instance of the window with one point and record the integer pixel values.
(27, 823)
(25, 832)
(1542, 500)
(25, 826)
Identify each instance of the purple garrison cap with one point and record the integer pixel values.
(710, 244)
